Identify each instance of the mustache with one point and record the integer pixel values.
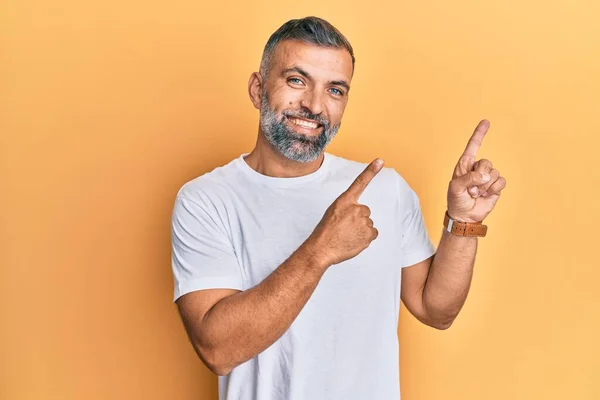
(304, 113)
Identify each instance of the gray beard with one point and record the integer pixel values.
(291, 145)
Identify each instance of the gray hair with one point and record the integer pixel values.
(312, 30)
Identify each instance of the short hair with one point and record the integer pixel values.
(312, 30)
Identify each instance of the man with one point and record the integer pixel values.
(290, 262)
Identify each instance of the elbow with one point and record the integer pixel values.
(220, 371)
(442, 325)
(441, 320)
(212, 358)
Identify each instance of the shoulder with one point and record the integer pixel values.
(388, 178)
(349, 169)
(207, 188)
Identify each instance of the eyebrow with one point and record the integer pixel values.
(305, 74)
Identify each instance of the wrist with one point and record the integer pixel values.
(458, 218)
(311, 251)
(464, 228)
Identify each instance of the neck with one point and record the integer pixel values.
(265, 160)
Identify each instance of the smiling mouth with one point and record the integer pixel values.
(303, 123)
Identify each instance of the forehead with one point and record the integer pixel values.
(321, 62)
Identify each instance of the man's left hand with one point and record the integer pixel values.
(470, 196)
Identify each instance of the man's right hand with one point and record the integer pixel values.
(346, 229)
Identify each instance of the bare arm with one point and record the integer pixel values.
(435, 289)
(449, 279)
(240, 326)
(237, 327)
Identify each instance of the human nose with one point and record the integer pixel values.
(313, 101)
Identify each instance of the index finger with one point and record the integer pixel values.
(362, 181)
(476, 139)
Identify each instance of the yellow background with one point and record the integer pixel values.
(108, 107)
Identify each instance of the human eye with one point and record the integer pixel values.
(295, 81)
(336, 91)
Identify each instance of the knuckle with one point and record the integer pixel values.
(486, 163)
(337, 203)
(476, 142)
(345, 198)
(338, 206)
(465, 159)
(340, 199)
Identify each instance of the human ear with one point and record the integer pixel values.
(255, 89)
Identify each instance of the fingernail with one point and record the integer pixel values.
(379, 162)
(486, 177)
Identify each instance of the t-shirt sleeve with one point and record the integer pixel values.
(416, 243)
(202, 256)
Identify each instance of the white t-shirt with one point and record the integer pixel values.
(233, 226)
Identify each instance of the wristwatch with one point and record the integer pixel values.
(464, 228)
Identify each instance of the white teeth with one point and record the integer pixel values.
(304, 124)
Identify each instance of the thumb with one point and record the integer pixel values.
(473, 178)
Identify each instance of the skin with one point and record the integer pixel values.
(228, 327)
(435, 289)
(288, 88)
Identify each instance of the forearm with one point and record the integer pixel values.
(241, 326)
(449, 277)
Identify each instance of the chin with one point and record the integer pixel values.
(300, 157)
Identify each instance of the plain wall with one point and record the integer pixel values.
(108, 107)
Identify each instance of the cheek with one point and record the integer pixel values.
(284, 99)
(336, 111)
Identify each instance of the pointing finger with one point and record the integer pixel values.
(363, 180)
(476, 139)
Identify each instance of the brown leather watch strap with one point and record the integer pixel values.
(464, 228)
